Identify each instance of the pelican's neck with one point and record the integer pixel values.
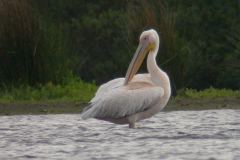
(153, 69)
(159, 77)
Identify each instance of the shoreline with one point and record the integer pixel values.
(38, 108)
(202, 104)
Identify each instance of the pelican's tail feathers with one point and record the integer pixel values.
(88, 113)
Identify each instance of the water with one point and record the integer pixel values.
(210, 134)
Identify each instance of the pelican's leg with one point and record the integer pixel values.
(132, 125)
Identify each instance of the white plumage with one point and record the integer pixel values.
(133, 98)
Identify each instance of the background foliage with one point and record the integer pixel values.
(32, 51)
(43, 40)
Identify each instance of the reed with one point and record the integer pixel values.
(230, 69)
(31, 50)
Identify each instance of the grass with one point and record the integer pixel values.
(74, 91)
(74, 95)
(191, 99)
(210, 93)
(54, 99)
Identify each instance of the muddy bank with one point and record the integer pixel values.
(76, 108)
(202, 104)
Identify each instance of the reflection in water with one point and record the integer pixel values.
(210, 134)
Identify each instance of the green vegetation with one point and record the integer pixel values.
(32, 51)
(55, 99)
(71, 97)
(210, 93)
(74, 90)
(43, 41)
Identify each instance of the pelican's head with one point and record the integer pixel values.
(150, 39)
(148, 42)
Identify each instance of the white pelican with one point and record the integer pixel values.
(135, 97)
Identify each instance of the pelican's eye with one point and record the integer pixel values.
(145, 39)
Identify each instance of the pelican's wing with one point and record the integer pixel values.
(109, 86)
(115, 83)
(124, 101)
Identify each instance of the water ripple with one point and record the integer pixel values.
(211, 134)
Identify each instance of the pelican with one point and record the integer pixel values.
(135, 97)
